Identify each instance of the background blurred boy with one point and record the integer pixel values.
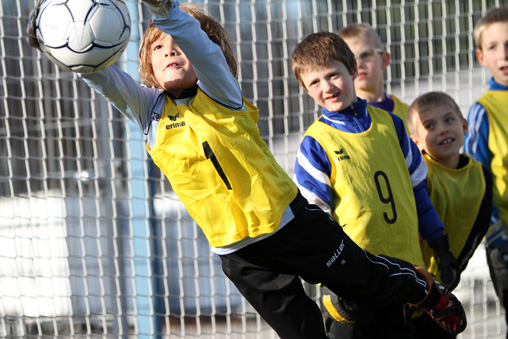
(487, 138)
(372, 60)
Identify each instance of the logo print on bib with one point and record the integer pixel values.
(342, 155)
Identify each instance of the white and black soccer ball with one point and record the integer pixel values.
(83, 36)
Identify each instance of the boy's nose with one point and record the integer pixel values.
(171, 51)
(326, 86)
(504, 52)
(442, 129)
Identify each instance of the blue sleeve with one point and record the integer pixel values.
(312, 174)
(207, 59)
(476, 141)
(430, 226)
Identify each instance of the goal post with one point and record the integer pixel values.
(94, 242)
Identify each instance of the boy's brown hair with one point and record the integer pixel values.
(362, 31)
(209, 24)
(494, 16)
(319, 50)
(427, 102)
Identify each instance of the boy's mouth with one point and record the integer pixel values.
(446, 141)
(332, 97)
(173, 65)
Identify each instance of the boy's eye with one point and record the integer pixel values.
(429, 126)
(313, 83)
(368, 54)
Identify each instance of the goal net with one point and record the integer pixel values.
(93, 241)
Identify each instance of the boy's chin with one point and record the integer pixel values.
(336, 107)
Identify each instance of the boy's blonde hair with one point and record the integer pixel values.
(494, 16)
(427, 102)
(209, 24)
(361, 31)
(319, 50)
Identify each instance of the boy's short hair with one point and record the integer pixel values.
(362, 31)
(427, 102)
(318, 50)
(494, 16)
(209, 24)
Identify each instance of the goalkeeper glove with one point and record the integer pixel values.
(160, 8)
(442, 306)
(446, 262)
(497, 255)
(337, 307)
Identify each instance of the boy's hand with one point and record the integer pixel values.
(30, 30)
(159, 8)
(442, 306)
(497, 255)
(446, 262)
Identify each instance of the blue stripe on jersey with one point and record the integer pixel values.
(312, 173)
(414, 160)
(476, 141)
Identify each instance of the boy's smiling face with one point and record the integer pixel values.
(440, 133)
(493, 53)
(332, 87)
(171, 68)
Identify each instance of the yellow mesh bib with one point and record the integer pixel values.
(221, 169)
(373, 195)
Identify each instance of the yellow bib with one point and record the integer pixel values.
(496, 105)
(221, 169)
(399, 109)
(373, 195)
(457, 195)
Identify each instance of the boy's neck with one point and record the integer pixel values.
(453, 162)
(371, 96)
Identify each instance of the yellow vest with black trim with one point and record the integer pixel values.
(496, 105)
(221, 169)
(456, 195)
(373, 195)
(400, 109)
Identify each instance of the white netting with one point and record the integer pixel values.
(94, 243)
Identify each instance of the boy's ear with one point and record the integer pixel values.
(414, 138)
(465, 126)
(479, 57)
(385, 60)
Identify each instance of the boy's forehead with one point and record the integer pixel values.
(438, 111)
(361, 41)
(315, 68)
(494, 32)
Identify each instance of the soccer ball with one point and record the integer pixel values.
(83, 36)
